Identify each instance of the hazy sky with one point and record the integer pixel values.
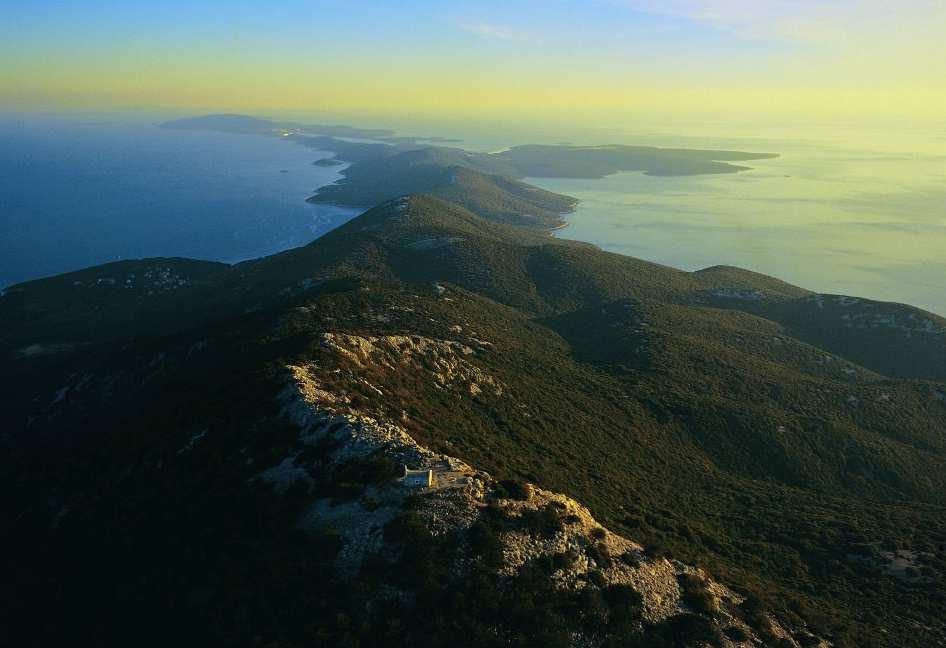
(830, 58)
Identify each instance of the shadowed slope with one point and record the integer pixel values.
(693, 411)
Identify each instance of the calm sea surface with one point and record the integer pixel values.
(78, 194)
(868, 220)
(839, 212)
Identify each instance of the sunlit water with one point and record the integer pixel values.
(825, 216)
(840, 211)
(79, 194)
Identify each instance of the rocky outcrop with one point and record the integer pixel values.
(446, 361)
(584, 554)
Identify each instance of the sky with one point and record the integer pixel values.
(825, 59)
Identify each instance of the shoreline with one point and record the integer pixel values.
(251, 209)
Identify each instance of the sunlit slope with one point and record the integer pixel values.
(741, 351)
(689, 409)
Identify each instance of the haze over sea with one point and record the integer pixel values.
(865, 219)
(75, 194)
(846, 208)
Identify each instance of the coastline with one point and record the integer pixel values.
(685, 221)
(803, 213)
(153, 193)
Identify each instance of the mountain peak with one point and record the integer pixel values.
(775, 442)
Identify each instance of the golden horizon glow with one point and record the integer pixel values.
(808, 58)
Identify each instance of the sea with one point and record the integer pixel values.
(79, 193)
(845, 211)
(859, 212)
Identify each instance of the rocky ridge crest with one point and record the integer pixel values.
(539, 525)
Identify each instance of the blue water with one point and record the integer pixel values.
(844, 212)
(78, 194)
(851, 213)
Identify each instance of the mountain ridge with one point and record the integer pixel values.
(721, 415)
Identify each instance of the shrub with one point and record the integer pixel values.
(407, 528)
(703, 601)
(688, 629)
(657, 551)
(623, 596)
(756, 609)
(692, 581)
(546, 521)
(735, 633)
(627, 607)
(486, 544)
(597, 578)
(592, 606)
(697, 595)
(807, 639)
(565, 559)
(368, 470)
(346, 491)
(545, 563)
(633, 522)
(630, 558)
(753, 605)
(600, 554)
(513, 489)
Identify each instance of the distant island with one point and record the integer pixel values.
(383, 167)
(232, 123)
(438, 399)
(531, 160)
(439, 417)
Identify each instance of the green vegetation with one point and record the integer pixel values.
(253, 125)
(486, 183)
(714, 416)
(513, 489)
(697, 595)
(598, 161)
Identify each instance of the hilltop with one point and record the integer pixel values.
(384, 166)
(643, 455)
(232, 123)
(382, 171)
